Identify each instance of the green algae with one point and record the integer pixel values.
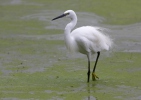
(115, 11)
(34, 63)
(118, 78)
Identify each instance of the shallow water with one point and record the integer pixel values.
(34, 63)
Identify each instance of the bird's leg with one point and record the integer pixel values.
(88, 56)
(88, 70)
(94, 76)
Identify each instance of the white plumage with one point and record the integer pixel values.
(86, 40)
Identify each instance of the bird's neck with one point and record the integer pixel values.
(69, 41)
(70, 26)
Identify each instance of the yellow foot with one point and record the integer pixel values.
(94, 76)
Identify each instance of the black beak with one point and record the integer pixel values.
(63, 15)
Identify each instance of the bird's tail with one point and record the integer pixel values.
(107, 41)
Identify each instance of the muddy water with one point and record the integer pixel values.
(126, 37)
(34, 63)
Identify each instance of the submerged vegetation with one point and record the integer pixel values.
(34, 63)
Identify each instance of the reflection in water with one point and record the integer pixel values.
(89, 93)
(88, 89)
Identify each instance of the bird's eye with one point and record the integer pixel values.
(67, 13)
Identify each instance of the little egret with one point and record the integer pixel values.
(86, 40)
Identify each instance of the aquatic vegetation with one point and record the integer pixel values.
(34, 63)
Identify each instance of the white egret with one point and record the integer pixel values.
(86, 40)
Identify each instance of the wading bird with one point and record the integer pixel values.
(86, 40)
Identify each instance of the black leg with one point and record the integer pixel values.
(98, 54)
(88, 70)
(88, 56)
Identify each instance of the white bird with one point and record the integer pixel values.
(86, 40)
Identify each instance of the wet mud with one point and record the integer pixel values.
(35, 64)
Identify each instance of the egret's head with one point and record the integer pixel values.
(68, 13)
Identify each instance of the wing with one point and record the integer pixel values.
(91, 38)
(84, 32)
